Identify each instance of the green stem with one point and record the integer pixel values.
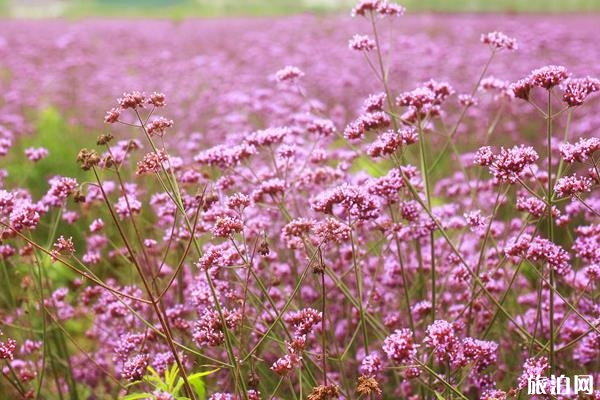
(425, 173)
(178, 201)
(358, 278)
(154, 303)
(550, 227)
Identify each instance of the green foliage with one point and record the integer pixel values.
(363, 163)
(180, 9)
(172, 383)
(51, 129)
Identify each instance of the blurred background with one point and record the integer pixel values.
(214, 8)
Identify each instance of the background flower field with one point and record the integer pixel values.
(315, 205)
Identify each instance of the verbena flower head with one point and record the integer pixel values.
(362, 43)
(549, 76)
(441, 337)
(304, 321)
(367, 122)
(227, 226)
(352, 199)
(208, 330)
(573, 185)
(522, 88)
(158, 126)
(533, 368)
(331, 230)
(324, 392)
(7, 348)
(380, 7)
(132, 100)
(542, 249)
(374, 102)
(371, 364)
(418, 98)
(152, 163)
(580, 151)
(389, 142)
(112, 115)
(498, 40)
(63, 246)
(509, 164)
(400, 346)
(134, 369)
(157, 99)
(36, 154)
(577, 90)
(289, 74)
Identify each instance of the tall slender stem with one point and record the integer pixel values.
(425, 177)
(154, 303)
(358, 279)
(550, 225)
(324, 338)
(178, 202)
(383, 72)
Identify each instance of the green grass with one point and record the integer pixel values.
(180, 9)
(51, 130)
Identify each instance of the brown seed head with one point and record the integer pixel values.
(367, 385)
(104, 139)
(87, 158)
(324, 392)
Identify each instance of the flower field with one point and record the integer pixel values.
(377, 205)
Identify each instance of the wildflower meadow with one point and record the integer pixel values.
(375, 204)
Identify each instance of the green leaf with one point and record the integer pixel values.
(154, 373)
(130, 384)
(204, 373)
(177, 387)
(154, 378)
(171, 376)
(439, 396)
(199, 388)
(198, 383)
(136, 396)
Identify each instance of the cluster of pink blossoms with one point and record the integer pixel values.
(538, 248)
(548, 77)
(355, 201)
(362, 43)
(509, 164)
(134, 100)
(7, 348)
(498, 40)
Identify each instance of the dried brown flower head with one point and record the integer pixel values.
(367, 385)
(87, 158)
(104, 139)
(324, 392)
